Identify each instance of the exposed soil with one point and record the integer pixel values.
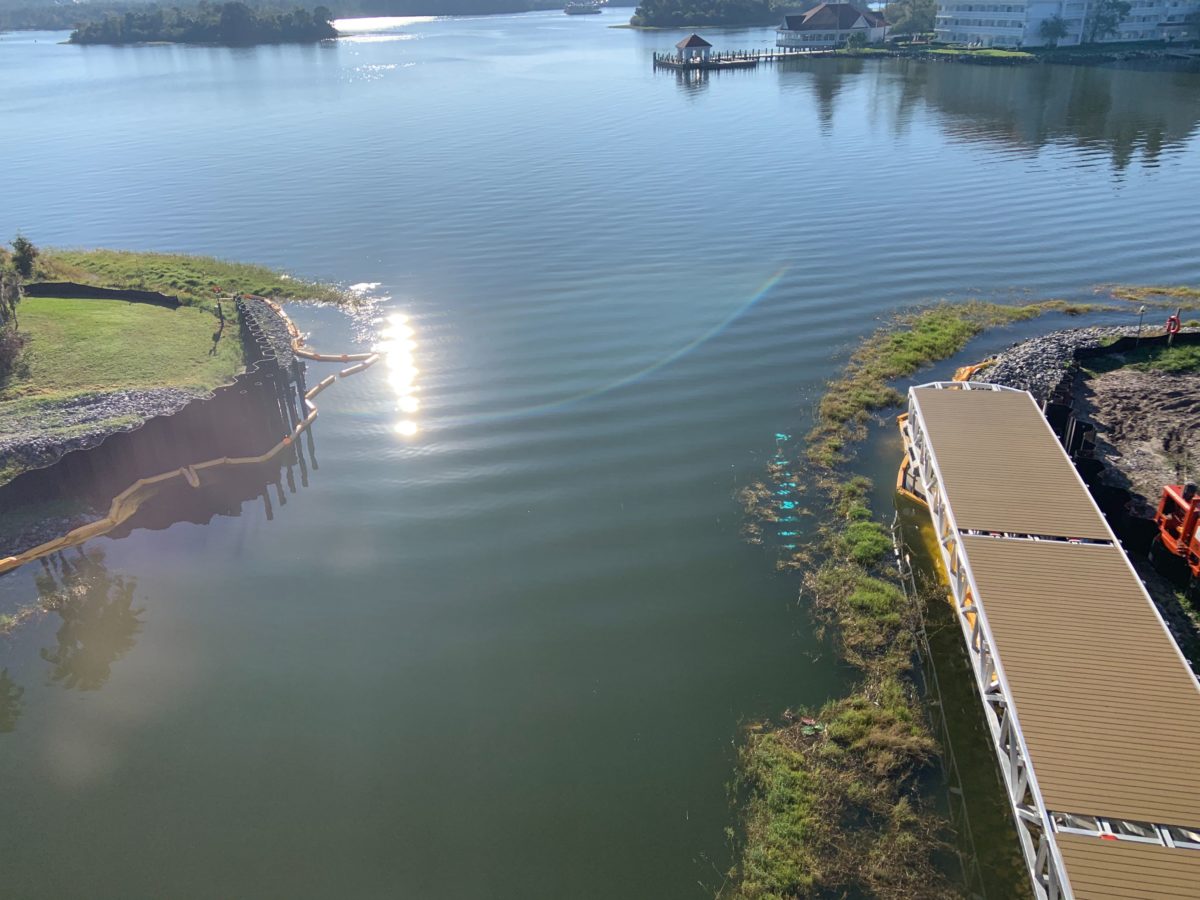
(1147, 435)
(1147, 429)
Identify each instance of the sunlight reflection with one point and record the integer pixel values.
(398, 344)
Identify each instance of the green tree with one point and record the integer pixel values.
(668, 13)
(857, 41)
(1104, 17)
(1053, 30)
(11, 340)
(237, 23)
(911, 16)
(10, 296)
(23, 255)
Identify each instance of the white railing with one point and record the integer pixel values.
(1035, 828)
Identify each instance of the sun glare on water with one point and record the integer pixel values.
(397, 344)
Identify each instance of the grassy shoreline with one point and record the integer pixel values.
(191, 278)
(81, 356)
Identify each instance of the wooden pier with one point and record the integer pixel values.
(1091, 707)
(733, 59)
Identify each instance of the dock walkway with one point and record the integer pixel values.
(737, 59)
(1093, 711)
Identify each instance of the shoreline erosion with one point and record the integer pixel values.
(40, 425)
(281, 403)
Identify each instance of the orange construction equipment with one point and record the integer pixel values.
(1177, 516)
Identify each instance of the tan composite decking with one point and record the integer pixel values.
(1124, 870)
(1002, 467)
(1109, 710)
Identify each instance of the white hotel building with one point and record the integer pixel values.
(1017, 24)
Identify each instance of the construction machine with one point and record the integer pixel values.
(1177, 517)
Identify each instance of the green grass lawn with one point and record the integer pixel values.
(191, 278)
(988, 53)
(85, 346)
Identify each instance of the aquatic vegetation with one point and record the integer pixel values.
(191, 278)
(898, 349)
(831, 801)
(1160, 294)
(831, 804)
(836, 810)
(866, 542)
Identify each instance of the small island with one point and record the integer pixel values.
(230, 24)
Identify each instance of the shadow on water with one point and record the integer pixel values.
(827, 83)
(825, 78)
(691, 81)
(1105, 112)
(247, 419)
(974, 800)
(98, 620)
(99, 623)
(1114, 112)
(10, 702)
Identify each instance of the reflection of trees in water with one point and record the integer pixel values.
(99, 623)
(10, 702)
(828, 81)
(1119, 111)
(912, 90)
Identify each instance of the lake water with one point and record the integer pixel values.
(501, 644)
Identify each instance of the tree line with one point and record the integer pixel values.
(16, 264)
(667, 13)
(231, 23)
(52, 16)
(905, 16)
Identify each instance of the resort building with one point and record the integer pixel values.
(1019, 24)
(830, 25)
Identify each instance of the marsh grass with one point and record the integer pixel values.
(1161, 295)
(831, 801)
(897, 350)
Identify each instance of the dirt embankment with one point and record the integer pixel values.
(1147, 429)
(1147, 435)
(1147, 422)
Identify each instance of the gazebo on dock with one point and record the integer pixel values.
(693, 47)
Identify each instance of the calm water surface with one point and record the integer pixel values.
(501, 643)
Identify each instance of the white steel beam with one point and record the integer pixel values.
(1035, 828)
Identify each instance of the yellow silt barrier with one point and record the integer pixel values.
(126, 503)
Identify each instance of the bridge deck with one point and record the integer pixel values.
(1094, 713)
